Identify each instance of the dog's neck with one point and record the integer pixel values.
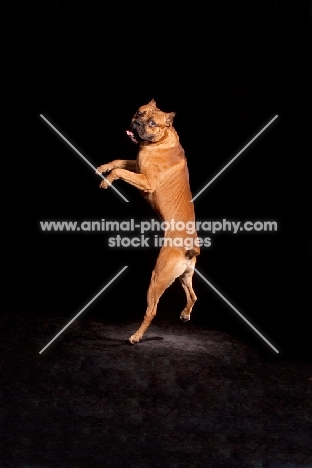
(170, 141)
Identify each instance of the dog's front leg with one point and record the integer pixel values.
(129, 164)
(139, 181)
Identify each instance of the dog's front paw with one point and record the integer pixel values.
(104, 184)
(104, 168)
(107, 181)
(134, 339)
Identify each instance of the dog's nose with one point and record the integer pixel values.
(137, 123)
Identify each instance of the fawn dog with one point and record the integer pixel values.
(160, 172)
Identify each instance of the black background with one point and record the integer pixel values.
(209, 392)
(226, 68)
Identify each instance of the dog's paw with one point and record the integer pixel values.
(185, 317)
(104, 184)
(134, 339)
(104, 168)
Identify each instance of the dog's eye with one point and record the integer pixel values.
(139, 114)
(151, 123)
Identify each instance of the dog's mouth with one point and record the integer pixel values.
(137, 138)
(132, 136)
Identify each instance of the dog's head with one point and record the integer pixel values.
(150, 124)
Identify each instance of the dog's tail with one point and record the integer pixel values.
(193, 252)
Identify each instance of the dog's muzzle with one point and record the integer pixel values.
(137, 127)
(139, 133)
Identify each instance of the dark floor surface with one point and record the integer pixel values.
(186, 396)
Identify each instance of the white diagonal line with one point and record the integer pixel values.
(235, 157)
(84, 308)
(82, 156)
(228, 302)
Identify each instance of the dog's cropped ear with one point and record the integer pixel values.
(152, 103)
(169, 118)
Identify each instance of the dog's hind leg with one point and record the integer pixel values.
(170, 264)
(186, 281)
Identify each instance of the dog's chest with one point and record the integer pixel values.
(164, 159)
(145, 160)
